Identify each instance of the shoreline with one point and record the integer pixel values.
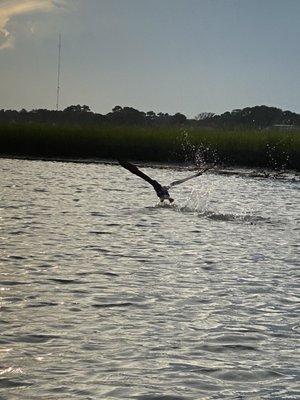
(238, 171)
(263, 150)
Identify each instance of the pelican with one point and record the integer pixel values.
(161, 191)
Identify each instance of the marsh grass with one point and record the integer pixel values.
(255, 148)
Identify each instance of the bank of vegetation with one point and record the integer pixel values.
(261, 136)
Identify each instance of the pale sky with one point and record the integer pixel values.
(186, 56)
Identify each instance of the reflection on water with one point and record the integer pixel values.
(106, 295)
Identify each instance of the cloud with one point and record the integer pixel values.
(12, 8)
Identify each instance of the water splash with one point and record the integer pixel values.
(199, 154)
(199, 201)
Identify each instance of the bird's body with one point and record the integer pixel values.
(161, 191)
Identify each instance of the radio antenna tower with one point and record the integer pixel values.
(58, 72)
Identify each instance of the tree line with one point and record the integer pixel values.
(255, 117)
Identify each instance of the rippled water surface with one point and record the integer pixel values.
(104, 294)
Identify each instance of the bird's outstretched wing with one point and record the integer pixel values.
(133, 169)
(179, 181)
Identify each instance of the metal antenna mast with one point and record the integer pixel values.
(58, 72)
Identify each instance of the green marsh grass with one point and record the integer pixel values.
(236, 147)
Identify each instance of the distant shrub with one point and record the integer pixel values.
(256, 148)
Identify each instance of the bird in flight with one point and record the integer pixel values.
(161, 191)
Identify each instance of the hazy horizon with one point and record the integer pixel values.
(167, 56)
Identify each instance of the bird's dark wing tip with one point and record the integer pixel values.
(126, 164)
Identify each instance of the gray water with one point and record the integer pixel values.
(104, 294)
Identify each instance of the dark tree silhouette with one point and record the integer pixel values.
(78, 108)
(179, 118)
(253, 117)
(204, 115)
